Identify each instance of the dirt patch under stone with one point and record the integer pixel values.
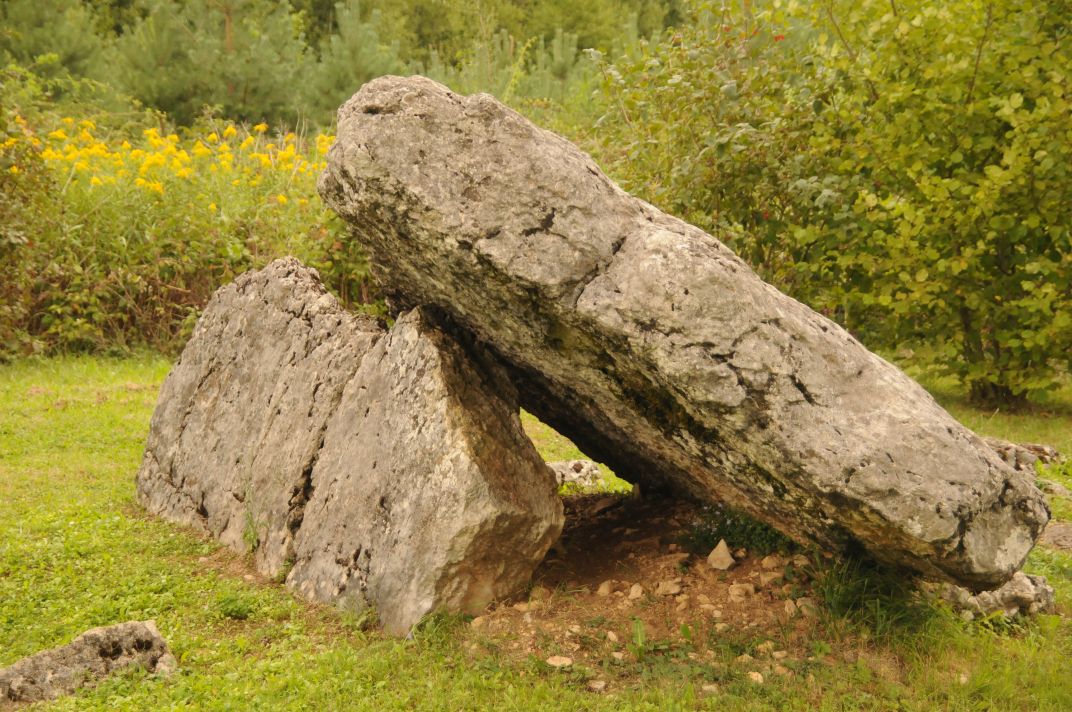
(585, 604)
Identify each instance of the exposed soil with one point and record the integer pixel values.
(584, 606)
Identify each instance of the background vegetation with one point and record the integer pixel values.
(902, 167)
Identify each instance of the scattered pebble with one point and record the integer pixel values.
(668, 588)
(781, 670)
(780, 654)
(606, 588)
(709, 689)
(768, 577)
(618, 655)
(612, 636)
(720, 557)
(739, 591)
(635, 591)
(772, 562)
(559, 661)
(597, 685)
(756, 677)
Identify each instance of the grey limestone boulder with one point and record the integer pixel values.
(579, 472)
(93, 655)
(374, 468)
(1022, 595)
(657, 350)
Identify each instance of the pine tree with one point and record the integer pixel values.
(243, 57)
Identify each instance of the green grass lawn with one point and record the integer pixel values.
(76, 551)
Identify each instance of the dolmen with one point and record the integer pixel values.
(386, 467)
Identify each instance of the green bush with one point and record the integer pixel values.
(903, 167)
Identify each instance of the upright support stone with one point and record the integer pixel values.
(375, 468)
(655, 348)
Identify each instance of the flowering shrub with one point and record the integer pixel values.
(130, 235)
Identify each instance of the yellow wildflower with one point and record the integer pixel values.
(213, 137)
(229, 131)
(87, 124)
(14, 169)
(246, 143)
(261, 127)
(201, 149)
(58, 134)
(95, 181)
(212, 207)
(281, 199)
(68, 120)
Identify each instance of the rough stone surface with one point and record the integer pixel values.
(657, 350)
(1022, 595)
(1023, 456)
(383, 468)
(581, 472)
(94, 654)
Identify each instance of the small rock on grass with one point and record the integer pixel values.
(597, 685)
(720, 557)
(612, 636)
(635, 591)
(559, 661)
(606, 588)
(756, 677)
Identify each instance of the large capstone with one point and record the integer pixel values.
(655, 348)
(376, 469)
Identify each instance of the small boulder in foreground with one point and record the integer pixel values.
(93, 655)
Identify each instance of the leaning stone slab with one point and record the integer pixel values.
(94, 654)
(657, 350)
(374, 468)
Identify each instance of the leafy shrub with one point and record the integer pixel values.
(903, 167)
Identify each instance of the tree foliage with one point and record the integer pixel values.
(902, 166)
